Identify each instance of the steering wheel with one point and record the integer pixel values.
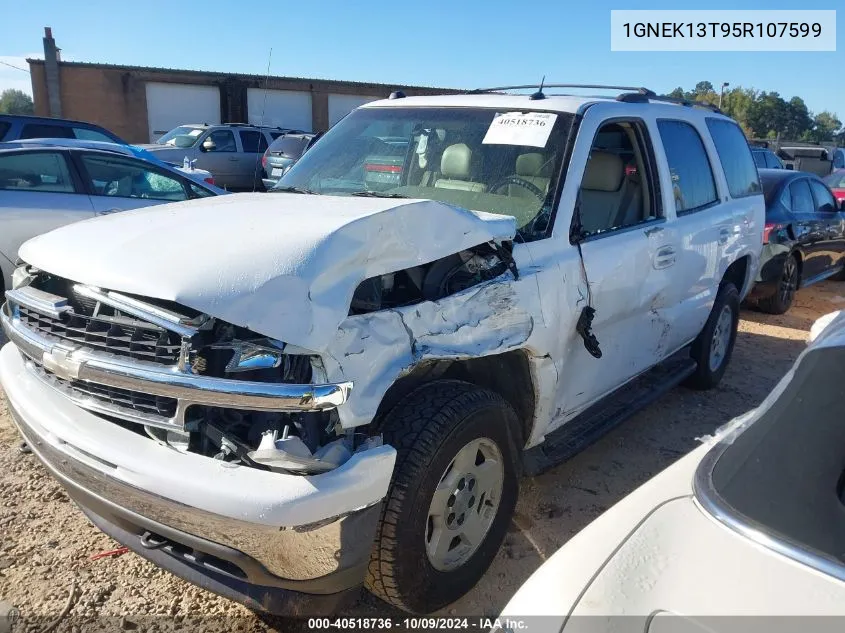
(520, 182)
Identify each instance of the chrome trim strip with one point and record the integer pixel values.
(157, 316)
(40, 301)
(712, 503)
(153, 379)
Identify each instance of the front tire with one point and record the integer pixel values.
(714, 345)
(452, 495)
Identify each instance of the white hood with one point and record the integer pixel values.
(283, 265)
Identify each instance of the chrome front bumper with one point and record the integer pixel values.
(73, 363)
(295, 528)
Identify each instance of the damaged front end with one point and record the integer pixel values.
(187, 380)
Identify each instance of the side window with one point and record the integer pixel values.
(825, 202)
(198, 192)
(220, 141)
(693, 186)
(125, 178)
(87, 134)
(250, 140)
(838, 155)
(35, 171)
(262, 144)
(4, 128)
(802, 199)
(759, 159)
(772, 161)
(616, 188)
(786, 199)
(42, 130)
(735, 157)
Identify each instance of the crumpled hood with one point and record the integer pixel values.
(283, 265)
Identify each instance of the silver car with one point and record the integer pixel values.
(42, 188)
(230, 151)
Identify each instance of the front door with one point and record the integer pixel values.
(38, 193)
(219, 154)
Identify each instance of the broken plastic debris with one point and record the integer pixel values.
(289, 453)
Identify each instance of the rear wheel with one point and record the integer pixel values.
(784, 294)
(712, 349)
(452, 496)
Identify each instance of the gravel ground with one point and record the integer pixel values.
(47, 543)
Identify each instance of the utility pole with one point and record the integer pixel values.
(722, 93)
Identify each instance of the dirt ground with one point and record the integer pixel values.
(47, 544)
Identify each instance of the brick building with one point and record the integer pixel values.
(140, 104)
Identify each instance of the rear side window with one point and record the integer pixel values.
(760, 159)
(35, 171)
(824, 199)
(87, 134)
(773, 161)
(802, 199)
(45, 130)
(693, 186)
(4, 128)
(735, 156)
(251, 140)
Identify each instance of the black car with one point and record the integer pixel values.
(14, 127)
(282, 154)
(765, 158)
(803, 240)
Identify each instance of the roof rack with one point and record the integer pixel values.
(635, 89)
(638, 97)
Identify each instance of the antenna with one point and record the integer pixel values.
(261, 124)
(537, 96)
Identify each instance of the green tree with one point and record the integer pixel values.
(797, 119)
(767, 116)
(14, 101)
(825, 127)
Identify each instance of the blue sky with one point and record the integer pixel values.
(455, 43)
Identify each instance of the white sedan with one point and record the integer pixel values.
(751, 523)
(44, 185)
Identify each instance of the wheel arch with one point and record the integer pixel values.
(508, 374)
(739, 273)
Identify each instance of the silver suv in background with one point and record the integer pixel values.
(230, 151)
(282, 154)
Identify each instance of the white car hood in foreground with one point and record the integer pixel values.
(284, 265)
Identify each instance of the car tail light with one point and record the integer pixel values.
(264, 158)
(767, 230)
(210, 180)
(390, 169)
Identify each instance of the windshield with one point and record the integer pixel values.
(505, 163)
(182, 136)
(836, 180)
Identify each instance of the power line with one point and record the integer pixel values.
(15, 67)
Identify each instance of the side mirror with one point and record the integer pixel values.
(828, 208)
(208, 145)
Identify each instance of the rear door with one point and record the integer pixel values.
(253, 145)
(118, 183)
(810, 230)
(39, 191)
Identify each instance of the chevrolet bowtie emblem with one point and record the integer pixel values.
(61, 364)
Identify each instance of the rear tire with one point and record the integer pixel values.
(712, 349)
(784, 294)
(452, 495)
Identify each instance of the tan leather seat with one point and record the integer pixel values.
(534, 168)
(605, 191)
(457, 169)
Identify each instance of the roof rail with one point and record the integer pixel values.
(638, 90)
(638, 97)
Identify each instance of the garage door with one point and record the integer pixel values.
(341, 105)
(169, 105)
(279, 108)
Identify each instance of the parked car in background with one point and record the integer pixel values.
(765, 158)
(836, 182)
(344, 382)
(804, 238)
(838, 157)
(282, 154)
(44, 187)
(232, 152)
(18, 126)
(192, 172)
(816, 160)
(748, 524)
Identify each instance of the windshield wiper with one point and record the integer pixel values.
(291, 189)
(376, 194)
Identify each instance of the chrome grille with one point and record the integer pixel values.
(132, 405)
(113, 334)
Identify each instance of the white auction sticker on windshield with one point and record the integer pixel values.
(520, 128)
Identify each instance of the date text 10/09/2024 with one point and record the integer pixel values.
(505, 625)
(722, 29)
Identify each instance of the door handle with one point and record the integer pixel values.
(724, 235)
(664, 257)
(108, 211)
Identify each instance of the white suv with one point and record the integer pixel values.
(279, 396)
